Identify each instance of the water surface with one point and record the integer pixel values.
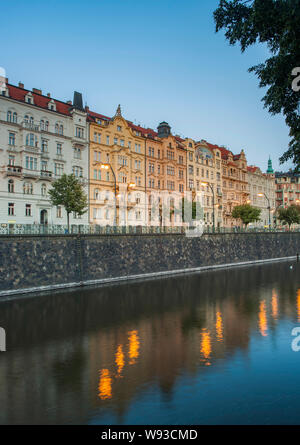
(209, 348)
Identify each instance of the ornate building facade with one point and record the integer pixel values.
(262, 194)
(287, 189)
(234, 184)
(40, 139)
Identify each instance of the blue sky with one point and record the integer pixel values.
(160, 59)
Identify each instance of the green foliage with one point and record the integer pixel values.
(246, 213)
(67, 191)
(290, 215)
(277, 24)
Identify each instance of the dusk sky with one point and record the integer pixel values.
(160, 59)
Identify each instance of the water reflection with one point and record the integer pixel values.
(141, 352)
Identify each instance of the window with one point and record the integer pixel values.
(31, 140)
(180, 174)
(151, 151)
(116, 141)
(12, 139)
(11, 186)
(58, 149)
(9, 116)
(190, 156)
(11, 208)
(138, 148)
(43, 190)
(119, 128)
(181, 188)
(44, 146)
(58, 169)
(137, 165)
(77, 171)
(96, 194)
(27, 209)
(122, 142)
(58, 212)
(77, 153)
(15, 118)
(79, 132)
(11, 160)
(107, 140)
(56, 128)
(61, 129)
(122, 177)
(31, 163)
(27, 188)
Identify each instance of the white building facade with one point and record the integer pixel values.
(262, 193)
(40, 139)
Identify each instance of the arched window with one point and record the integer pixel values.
(42, 124)
(44, 190)
(46, 125)
(9, 116)
(15, 117)
(27, 188)
(26, 118)
(61, 129)
(11, 186)
(56, 128)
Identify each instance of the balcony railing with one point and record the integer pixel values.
(30, 126)
(13, 170)
(46, 174)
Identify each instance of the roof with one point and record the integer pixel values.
(18, 93)
(251, 168)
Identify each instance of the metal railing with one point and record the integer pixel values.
(92, 229)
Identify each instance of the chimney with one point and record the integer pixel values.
(6, 80)
(87, 109)
(36, 91)
(69, 102)
(21, 85)
(48, 95)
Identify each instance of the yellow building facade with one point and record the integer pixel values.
(117, 171)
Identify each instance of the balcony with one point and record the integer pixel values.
(46, 174)
(30, 126)
(13, 170)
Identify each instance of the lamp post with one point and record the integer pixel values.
(107, 166)
(269, 207)
(213, 203)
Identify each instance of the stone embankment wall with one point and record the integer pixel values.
(30, 263)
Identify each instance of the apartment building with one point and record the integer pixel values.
(234, 183)
(40, 139)
(117, 171)
(287, 189)
(262, 193)
(204, 177)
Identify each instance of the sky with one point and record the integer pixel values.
(160, 59)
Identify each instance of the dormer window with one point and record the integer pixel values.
(52, 105)
(29, 99)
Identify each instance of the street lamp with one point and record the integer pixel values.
(269, 207)
(106, 167)
(213, 203)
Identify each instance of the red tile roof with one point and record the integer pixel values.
(41, 101)
(252, 168)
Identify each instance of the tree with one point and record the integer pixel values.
(68, 192)
(290, 215)
(277, 24)
(246, 213)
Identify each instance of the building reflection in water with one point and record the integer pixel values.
(274, 304)
(120, 362)
(298, 304)
(219, 326)
(134, 346)
(205, 347)
(148, 333)
(262, 319)
(105, 385)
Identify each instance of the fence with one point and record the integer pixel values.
(52, 229)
